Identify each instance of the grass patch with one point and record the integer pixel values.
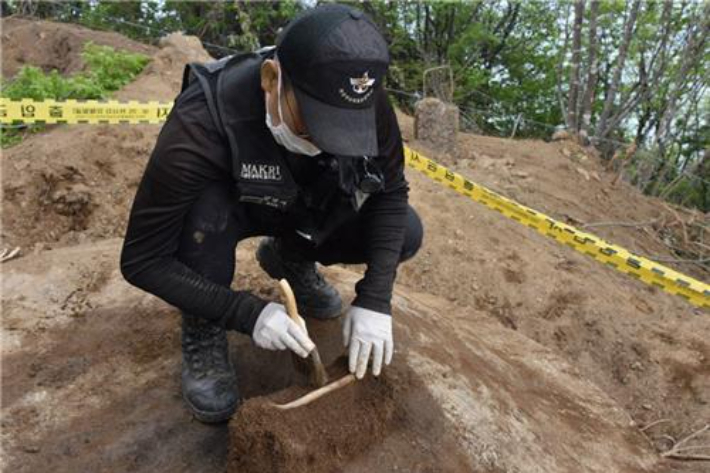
(107, 71)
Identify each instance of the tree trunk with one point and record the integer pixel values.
(572, 98)
(602, 129)
(27, 7)
(560, 66)
(692, 53)
(593, 69)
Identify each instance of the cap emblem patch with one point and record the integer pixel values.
(361, 84)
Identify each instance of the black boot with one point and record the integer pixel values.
(209, 382)
(314, 296)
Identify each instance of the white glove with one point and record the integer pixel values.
(367, 331)
(274, 330)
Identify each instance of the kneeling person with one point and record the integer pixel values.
(297, 143)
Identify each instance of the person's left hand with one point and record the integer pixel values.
(367, 332)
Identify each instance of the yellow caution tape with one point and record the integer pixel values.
(654, 274)
(650, 272)
(82, 111)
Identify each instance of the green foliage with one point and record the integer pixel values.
(110, 69)
(107, 71)
(31, 82)
(690, 192)
(9, 137)
(222, 26)
(502, 54)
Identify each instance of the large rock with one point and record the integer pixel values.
(437, 124)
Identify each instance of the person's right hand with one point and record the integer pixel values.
(274, 330)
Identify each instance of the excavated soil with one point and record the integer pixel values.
(91, 366)
(346, 428)
(318, 437)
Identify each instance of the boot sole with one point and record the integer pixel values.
(268, 262)
(210, 417)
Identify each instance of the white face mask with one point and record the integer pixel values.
(283, 134)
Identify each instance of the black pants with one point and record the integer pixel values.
(217, 222)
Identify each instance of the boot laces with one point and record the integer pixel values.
(205, 348)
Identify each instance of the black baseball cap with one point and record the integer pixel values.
(335, 58)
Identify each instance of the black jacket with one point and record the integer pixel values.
(217, 132)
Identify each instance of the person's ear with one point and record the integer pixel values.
(269, 76)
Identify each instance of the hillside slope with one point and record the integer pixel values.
(646, 348)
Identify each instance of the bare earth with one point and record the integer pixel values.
(513, 353)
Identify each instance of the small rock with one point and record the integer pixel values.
(520, 174)
(583, 138)
(560, 135)
(21, 165)
(31, 448)
(486, 161)
(584, 173)
(648, 407)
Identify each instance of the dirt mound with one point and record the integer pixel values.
(319, 437)
(645, 348)
(162, 78)
(57, 189)
(49, 45)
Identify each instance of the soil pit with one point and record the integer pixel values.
(318, 437)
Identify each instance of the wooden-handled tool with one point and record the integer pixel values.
(318, 393)
(312, 365)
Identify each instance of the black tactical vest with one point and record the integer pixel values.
(260, 166)
(236, 101)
